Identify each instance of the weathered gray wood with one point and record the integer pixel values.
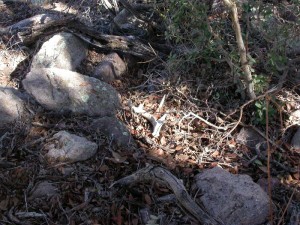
(36, 27)
(165, 177)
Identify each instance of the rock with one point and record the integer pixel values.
(113, 129)
(111, 68)
(43, 189)
(63, 50)
(264, 183)
(249, 137)
(65, 91)
(296, 140)
(126, 22)
(66, 147)
(12, 106)
(295, 117)
(235, 199)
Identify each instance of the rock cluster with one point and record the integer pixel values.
(53, 84)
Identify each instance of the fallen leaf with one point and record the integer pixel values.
(118, 157)
(104, 168)
(263, 168)
(188, 171)
(119, 217)
(4, 204)
(135, 221)
(163, 140)
(148, 199)
(182, 157)
(296, 176)
(179, 148)
(215, 154)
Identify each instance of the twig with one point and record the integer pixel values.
(286, 208)
(243, 54)
(163, 176)
(203, 120)
(272, 90)
(269, 162)
(161, 104)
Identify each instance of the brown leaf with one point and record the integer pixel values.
(148, 199)
(232, 155)
(296, 176)
(182, 157)
(118, 158)
(135, 221)
(163, 140)
(263, 168)
(104, 168)
(4, 204)
(215, 154)
(179, 148)
(188, 171)
(119, 217)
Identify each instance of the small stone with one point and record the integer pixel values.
(114, 129)
(112, 67)
(43, 189)
(249, 137)
(66, 147)
(12, 106)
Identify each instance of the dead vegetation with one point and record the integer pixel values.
(189, 117)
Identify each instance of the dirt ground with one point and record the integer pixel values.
(186, 144)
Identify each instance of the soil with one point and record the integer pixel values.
(185, 146)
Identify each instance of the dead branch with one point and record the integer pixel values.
(205, 121)
(38, 26)
(243, 54)
(31, 29)
(123, 44)
(162, 176)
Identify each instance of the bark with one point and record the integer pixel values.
(163, 176)
(242, 50)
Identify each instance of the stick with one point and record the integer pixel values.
(165, 177)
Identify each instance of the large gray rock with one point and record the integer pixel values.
(235, 199)
(66, 147)
(65, 92)
(114, 129)
(296, 140)
(112, 67)
(63, 50)
(12, 107)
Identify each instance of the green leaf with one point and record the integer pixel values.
(258, 162)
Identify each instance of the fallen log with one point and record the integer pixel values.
(121, 44)
(158, 174)
(38, 26)
(31, 29)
